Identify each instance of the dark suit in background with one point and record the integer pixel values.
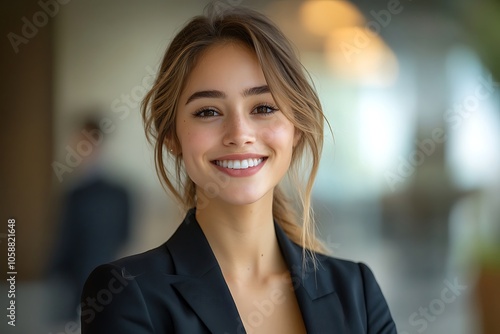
(95, 225)
(179, 288)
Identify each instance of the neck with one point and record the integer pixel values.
(242, 238)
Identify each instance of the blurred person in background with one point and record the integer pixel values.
(94, 221)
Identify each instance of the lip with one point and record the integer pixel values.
(241, 156)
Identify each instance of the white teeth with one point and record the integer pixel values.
(239, 164)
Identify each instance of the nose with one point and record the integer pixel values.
(238, 130)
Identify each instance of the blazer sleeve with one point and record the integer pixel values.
(112, 302)
(378, 315)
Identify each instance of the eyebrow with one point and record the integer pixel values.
(217, 94)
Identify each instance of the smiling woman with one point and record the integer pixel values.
(233, 108)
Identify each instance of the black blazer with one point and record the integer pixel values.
(179, 288)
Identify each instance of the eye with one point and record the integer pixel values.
(204, 113)
(265, 109)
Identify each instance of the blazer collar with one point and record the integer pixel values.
(206, 291)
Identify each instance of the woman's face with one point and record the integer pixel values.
(235, 143)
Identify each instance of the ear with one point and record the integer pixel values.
(172, 146)
(297, 136)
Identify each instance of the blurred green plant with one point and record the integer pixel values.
(482, 22)
(489, 256)
(481, 19)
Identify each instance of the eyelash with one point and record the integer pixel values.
(272, 109)
(199, 113)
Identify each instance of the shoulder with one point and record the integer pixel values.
(333, 269)
(118, 296)
(348, 277)
(156, 260)
(323, 273)
(130, 275)
(134, 268)
(345, 270)
(358, 290)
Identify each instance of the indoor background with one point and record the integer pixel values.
(409, 181)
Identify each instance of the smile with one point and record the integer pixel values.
(239, 164)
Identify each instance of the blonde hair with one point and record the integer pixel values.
(289, 87)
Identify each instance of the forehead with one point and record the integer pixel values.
(225, 66)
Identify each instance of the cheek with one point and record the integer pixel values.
(193, 140)
(279, 134)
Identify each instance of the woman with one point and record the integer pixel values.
(232, 109)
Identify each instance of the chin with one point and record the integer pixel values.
(242, 197)
(237, 196)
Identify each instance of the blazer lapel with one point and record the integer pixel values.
(206, 291)
(319, 304)
(204, 288)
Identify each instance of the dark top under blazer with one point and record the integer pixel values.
(179, 288)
